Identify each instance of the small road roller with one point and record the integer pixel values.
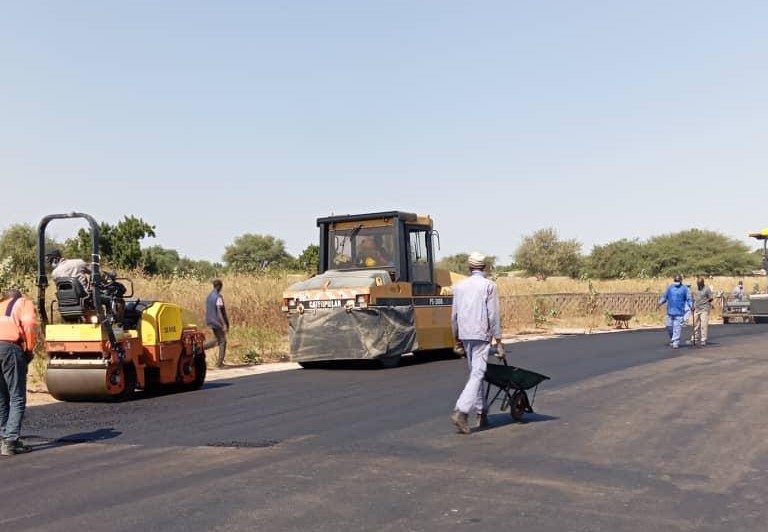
(103, 343)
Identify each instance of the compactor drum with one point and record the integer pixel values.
(377, 294)
(105, 346)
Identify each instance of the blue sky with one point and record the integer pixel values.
(605, 120)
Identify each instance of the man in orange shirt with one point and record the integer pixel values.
(18, 337)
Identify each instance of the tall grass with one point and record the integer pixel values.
(258, 329)
(511, 286)
(541, 318)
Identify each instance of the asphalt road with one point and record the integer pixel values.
(628, 435)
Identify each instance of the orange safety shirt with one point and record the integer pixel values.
(21, 325)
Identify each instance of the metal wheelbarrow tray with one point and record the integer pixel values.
(511, 385)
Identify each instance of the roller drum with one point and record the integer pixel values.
(77, 384)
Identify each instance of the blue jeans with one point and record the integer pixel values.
(477, 358)
(674, 328)
(13, 390)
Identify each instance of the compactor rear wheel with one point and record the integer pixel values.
(123, 381)
(191, 372)
(201, 369)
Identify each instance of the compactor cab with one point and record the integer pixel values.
(377, 294)
(102, 343)
(398, 242)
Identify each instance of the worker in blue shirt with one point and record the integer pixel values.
(679, 304)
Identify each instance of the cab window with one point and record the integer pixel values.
(366, 247)
(418, 256)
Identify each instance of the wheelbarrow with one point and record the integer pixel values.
(511, 385)
(622, 319)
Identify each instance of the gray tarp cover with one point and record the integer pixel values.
(366, 333)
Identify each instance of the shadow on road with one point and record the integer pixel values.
(502, 419)
(373, 365)
(215, 384)
(72, 439)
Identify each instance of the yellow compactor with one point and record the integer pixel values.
(102, 343)
(377, 295)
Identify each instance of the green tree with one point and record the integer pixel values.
(696, 252)
(18, 248)
(251, 253)
(543, 254)
(511, 267)
(160, 261)
(619, 260)
(309, 260)
(119, 244)
(455, 263)
(458, 263)
(200, 269)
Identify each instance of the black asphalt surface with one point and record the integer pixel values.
(628, 435)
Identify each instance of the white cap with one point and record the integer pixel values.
(476, 260)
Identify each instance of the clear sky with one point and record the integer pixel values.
(605, 120)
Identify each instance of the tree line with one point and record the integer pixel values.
(691, 252)
(542, 254)
(120, 248)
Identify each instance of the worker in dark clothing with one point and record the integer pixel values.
(216, 319)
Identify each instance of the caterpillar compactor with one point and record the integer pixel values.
(103, 343)
(377, 294)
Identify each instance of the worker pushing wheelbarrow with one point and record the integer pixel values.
(476, 324)
(510, 384)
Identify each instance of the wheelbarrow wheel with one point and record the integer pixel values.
(518, 405)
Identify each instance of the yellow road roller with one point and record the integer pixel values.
(103, 343)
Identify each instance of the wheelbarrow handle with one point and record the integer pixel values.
(503, 354)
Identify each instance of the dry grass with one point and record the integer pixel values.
(258, 331)
(526, 322)
(512, 286)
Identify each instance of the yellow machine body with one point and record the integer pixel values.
(159, 351)
(377, 294)
(161, 323)
(103, 343)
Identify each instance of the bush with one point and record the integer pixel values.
(543, 254)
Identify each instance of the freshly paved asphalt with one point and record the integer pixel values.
(628, 435)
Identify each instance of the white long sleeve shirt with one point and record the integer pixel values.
(475, 312)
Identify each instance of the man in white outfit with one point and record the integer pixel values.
(476, 322)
